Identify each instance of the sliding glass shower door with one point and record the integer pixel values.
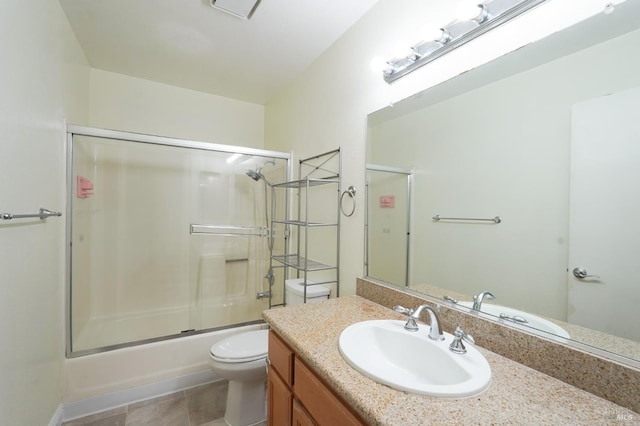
(166, 237)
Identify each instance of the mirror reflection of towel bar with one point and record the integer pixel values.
(493, 219)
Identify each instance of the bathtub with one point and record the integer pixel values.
(102, 332)
(99, 382)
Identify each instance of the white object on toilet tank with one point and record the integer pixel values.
(295, 292)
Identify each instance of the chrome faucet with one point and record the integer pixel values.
(478, 299)
(263, 294)
(436, 331)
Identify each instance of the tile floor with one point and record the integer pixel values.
(200, 406)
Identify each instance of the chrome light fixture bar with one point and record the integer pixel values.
(491, 14)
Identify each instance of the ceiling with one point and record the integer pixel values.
(189, 44)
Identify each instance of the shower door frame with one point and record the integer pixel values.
(153, 140)
(409, 206)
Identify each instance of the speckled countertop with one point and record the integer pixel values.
(517, 394)
(598, 339)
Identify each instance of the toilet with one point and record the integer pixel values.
(242, 359)
(294, 292)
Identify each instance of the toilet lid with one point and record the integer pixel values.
(242, 347)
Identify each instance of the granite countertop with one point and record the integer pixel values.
(598, 339)
(517, 394)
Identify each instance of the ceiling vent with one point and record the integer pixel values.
(242, 9)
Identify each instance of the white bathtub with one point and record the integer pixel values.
(98, 382)
(123, 329)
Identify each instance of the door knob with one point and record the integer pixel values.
(582, 273)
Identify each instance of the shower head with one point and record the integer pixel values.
(255, 174)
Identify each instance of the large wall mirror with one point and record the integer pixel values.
(531, 163)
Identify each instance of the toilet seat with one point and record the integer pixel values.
(243, 347)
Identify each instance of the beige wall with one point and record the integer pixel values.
(120, 102)
(328, 105)
(44, 81)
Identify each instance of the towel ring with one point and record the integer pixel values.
(351, 191)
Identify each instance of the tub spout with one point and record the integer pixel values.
(263, 294)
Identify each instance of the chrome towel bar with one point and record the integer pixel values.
(493, 219)
(42, 214)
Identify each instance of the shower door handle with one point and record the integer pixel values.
(582, 273)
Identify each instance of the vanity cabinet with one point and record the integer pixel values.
(297, 396)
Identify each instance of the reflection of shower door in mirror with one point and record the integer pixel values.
(388, 224)
(605, 209)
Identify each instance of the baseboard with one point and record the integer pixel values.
(56, 420)
(98, 404)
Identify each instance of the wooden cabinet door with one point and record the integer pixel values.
(300, 416)
(281, 357)
(279, 400)
(325, 408)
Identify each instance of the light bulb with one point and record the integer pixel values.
(431, 33)
(378, 64)
(468, 10)
(609, 8)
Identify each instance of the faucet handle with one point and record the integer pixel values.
(403, 310)
(458, 336)
(411, 322)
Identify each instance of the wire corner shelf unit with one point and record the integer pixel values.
(323, 170)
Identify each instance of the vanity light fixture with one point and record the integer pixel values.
(242, 9)
(483, 17)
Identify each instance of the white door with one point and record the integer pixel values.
(605, 214)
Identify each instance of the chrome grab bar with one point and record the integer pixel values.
(42, 214)
(493, 219)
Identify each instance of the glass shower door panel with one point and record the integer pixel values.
(130, 248)
(229, 241)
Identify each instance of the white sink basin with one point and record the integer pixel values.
(532, 321)
(409, 361)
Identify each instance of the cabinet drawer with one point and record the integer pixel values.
(281, 357)
(300, 416)
(319, 401)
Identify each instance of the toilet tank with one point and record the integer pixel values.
(295, 292)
